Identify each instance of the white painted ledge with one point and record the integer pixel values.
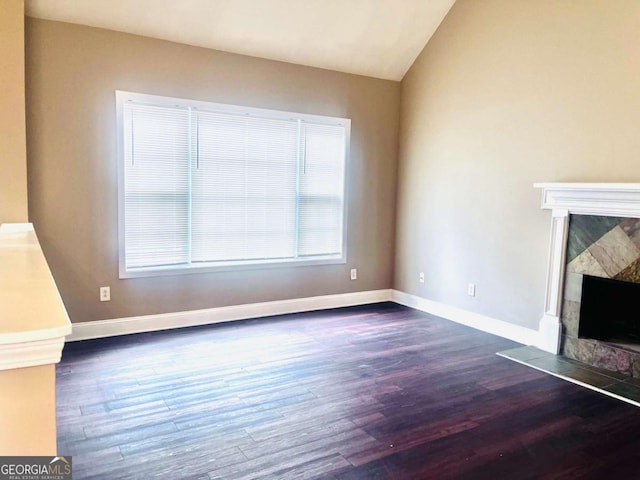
(613, 199)
(33, 320)
(31, 353)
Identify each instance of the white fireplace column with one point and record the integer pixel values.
(550, 328)
(564, 199)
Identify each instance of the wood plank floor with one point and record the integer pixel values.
(374, 392)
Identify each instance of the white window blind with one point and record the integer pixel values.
(244, 188)
(321, 185)
(156, 163)
(208, 185)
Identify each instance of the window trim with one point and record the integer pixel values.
(123, 96)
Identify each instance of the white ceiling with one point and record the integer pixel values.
(377, 38)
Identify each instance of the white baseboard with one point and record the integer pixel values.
(166, 321)
(517, 333)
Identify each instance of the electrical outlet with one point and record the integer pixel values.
(421, 277)
(354, 274)
(105, 294)
(471, 289)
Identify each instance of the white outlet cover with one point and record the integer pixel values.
(105, 294)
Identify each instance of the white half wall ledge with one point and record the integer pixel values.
(33, 322)
(31, 353)
(500, 328)
(564, 199)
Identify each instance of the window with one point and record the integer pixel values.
(209, 186)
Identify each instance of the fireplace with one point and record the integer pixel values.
(593, 275)
(601, 286)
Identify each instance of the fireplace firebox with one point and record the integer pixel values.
(607, 311)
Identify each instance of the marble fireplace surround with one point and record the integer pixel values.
(564, 199)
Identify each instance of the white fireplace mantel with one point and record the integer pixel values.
(564, 199)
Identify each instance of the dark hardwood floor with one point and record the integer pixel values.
(375, 392)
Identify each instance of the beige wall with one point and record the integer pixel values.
(28, 411)
(72, 73)
(507, 93)
(13, 155)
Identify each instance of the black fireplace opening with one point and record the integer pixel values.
(608, 310)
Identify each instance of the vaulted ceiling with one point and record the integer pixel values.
(377, 38)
